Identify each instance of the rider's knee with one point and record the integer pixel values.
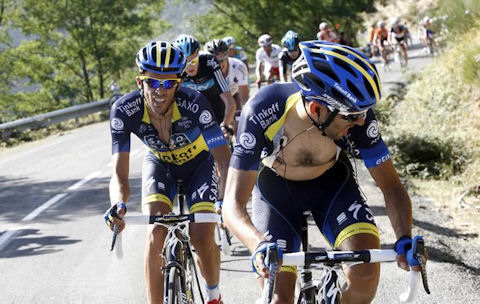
(203, 239)
(156, 237)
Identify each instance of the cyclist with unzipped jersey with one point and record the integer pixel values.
(203, 74)
(184, 141)
(397, 37)
(289, 54)
(297, 131)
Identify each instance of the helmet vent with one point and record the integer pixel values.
(340, 52)
(154, 53)
(318, 55)
(325, 69)
(345, 66)
(354, 90)
(368, 87)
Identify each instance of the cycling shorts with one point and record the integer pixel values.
(275, 72)
(334, 199)
(159, 183)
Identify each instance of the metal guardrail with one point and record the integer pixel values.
(47, 119)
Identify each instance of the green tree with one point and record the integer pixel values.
(248, 19)
(74, 48)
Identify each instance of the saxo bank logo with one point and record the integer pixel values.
(117, 124)
(247, 140)
(372, 130)
(205, 117)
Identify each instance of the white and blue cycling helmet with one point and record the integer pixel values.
(188, 44)
(229, 40)
(290, 40)
(337, 76)
(161, 57)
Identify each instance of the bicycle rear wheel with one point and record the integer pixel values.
(175, 291)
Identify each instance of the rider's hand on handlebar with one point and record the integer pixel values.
(114, 216)
(257, 258)
(405, 257)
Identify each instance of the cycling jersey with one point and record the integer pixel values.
(271, 61)
(382, 34)
(237, 74)
(398, 34)
(210, 82)
(240, 53)
(327, 36)
(260, 131)
(194, 130)
(285, 59)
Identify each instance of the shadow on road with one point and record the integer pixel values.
(26, 244)
(443, 230)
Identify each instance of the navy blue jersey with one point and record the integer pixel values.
(194, 129)
(261, 128)
(210, 81)
(285, 59)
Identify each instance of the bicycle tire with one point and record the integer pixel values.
(189, 281)
(174, 287)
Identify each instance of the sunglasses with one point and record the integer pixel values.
(353, 117)
(194, 61)
(155, 83)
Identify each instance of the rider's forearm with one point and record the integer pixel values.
(257, 72)
(229, 108)
(119, 190)
(399, 210)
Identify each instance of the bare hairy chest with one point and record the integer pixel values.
(307, 148)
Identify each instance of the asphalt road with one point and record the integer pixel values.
(54, 245)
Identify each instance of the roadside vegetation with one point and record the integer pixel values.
(434, 132)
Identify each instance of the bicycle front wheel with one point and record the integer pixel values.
(175, 293)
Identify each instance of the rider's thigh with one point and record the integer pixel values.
(362, 275)
(202, 235)
(155, 233)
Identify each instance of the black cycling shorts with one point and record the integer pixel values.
(334, 199)
(159, 183)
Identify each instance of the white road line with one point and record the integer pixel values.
(43, 207)
(11, 232)
(85, 180)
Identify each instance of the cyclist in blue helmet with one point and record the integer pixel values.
(289, 54)
(184, 142)
(203, 73)
(234, 50)
(298, 130)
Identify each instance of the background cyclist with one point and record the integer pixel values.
(233, 69)
(289, 54)
(397, 37)
(158, 113)
(296, 129)
(267, 59)
(325, 33)
(234, 50)
(203, 74)
(381, 41)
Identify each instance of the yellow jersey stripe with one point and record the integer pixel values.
(146, 117)
(356, 55)
(273, 129)
(354, 229)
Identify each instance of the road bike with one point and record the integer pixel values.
(181, 280)
(328, 290)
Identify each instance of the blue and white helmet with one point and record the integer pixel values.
(290, 40)
(229, 40)
(188, 44)
(161, 57)
(337, 76)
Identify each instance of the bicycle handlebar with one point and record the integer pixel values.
(363, 256)
(166, 219)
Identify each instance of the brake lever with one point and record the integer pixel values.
(419, 254)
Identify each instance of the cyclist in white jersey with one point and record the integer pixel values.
(267, 58)
(233, 69)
